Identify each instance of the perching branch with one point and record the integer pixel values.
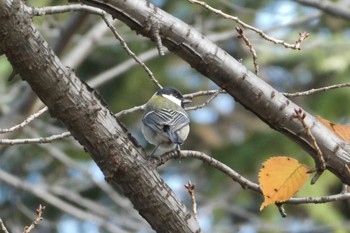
(245, 183)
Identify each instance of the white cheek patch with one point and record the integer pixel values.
(173, 98)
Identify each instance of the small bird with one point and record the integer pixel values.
(165, 121)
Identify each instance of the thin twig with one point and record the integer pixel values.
(281, 209)
(38, 218)
(50, 10)
(123, 67)
(11, 142)
(69, 162)
(12, 75)
(191, 190)
(344, 188)
(2, 227)
(131, 53)
(203, 93)
(215, 94)
(320, 162)
(52, 138)
(25, 122)
(296, 46)
(302, 37)
(251, 48)
(319, 200)
(43, 193)
(313, 91)
(103, 14)
(129, 111)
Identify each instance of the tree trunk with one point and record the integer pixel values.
(90, 122)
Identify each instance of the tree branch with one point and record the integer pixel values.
(251, 48)
(38, 218)
(264, 101)
(103, 14)
(295, 46)
(25, 122)
(115, 151)
(244, 182)
(40, 140)
(316, 90)
(53, 200)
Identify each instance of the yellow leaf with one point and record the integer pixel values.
(280, 178)
(343, 131)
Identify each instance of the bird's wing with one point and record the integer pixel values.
(159, 119)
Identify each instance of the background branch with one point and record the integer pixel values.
(316, 90)
(247, 26)
(335, 9)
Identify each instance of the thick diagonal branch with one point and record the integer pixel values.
(90, 122)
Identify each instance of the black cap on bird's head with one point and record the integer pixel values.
(172, 91)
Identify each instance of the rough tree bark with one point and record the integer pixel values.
(117, 154)
(253, 93)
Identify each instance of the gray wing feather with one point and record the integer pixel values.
(165, 117)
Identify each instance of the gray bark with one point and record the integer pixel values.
(117, 154)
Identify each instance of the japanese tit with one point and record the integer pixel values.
(165, 122)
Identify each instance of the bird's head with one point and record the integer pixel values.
(173, 95)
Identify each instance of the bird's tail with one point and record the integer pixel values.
(173, 136)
